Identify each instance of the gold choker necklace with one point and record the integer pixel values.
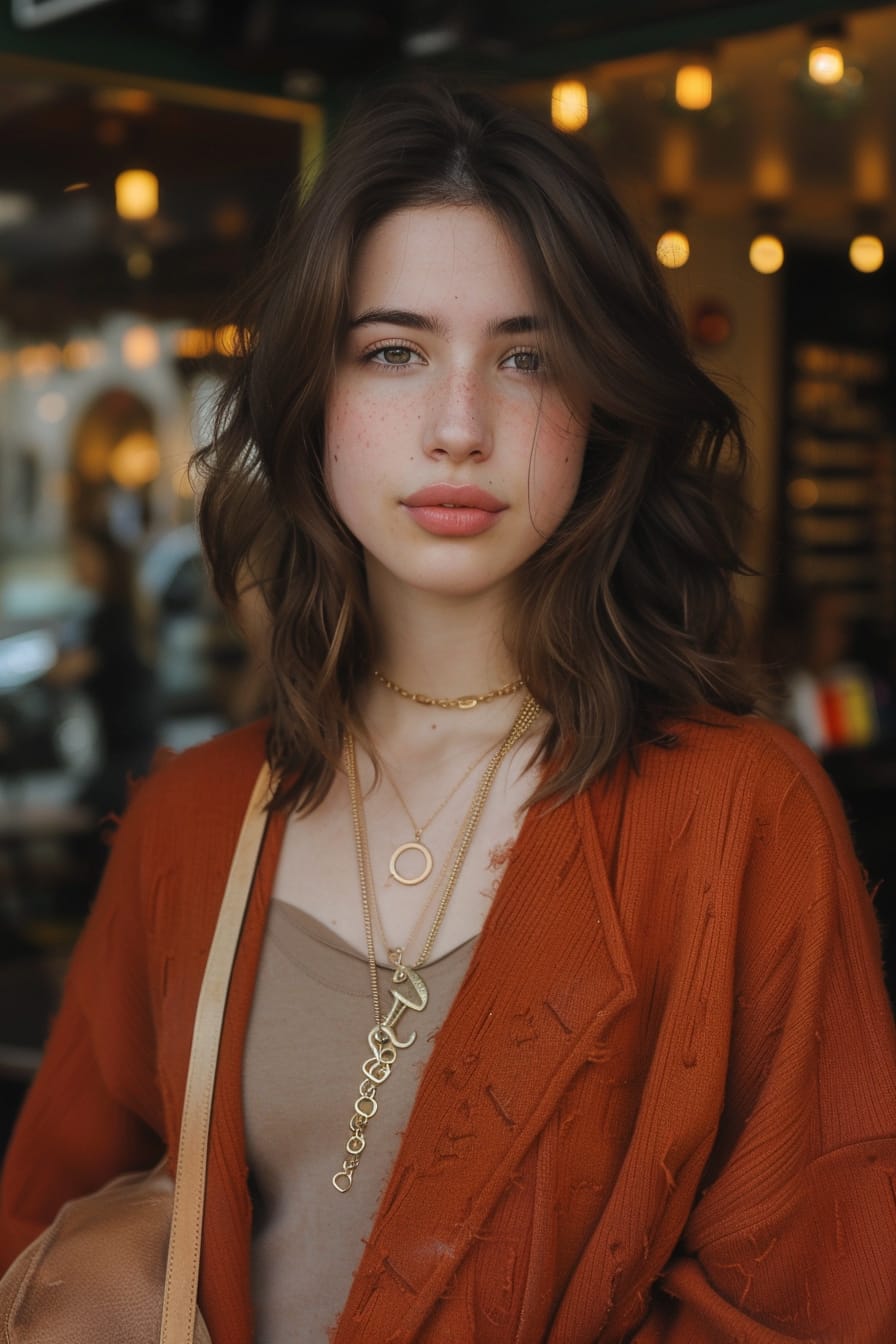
(461, 702)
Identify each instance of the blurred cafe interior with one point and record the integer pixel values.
(146, 152)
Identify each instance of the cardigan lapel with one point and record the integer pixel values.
(549, 976)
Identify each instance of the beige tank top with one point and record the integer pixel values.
(307, 1040)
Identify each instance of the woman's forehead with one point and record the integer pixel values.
(458, 257)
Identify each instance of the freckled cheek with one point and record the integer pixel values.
(556, 472)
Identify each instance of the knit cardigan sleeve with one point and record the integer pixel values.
(89, 1115)
(794, 1234)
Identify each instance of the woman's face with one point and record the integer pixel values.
(440, 388)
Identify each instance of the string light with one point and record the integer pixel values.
(825, 63)
(693, 87)
(673, 249)
(766, 253)
(569, 105)
(137, 194)
(866, 252)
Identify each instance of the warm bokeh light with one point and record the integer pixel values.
(569, 105)
(772, 178)
(766, 254)
(134, 462)
(33, 360)
(136, 102)
(693, 87)
(140, 347)
(52, 407)
(673, 249)
(825, 63)
(137, 194)
(193, 343)
(82, 353)
(802, 492)
(227, 339)
(866, 252)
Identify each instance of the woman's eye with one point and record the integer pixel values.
(525, 361)
(395, 355)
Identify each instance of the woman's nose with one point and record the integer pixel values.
(459, 422)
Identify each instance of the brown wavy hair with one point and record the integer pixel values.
(626, 615)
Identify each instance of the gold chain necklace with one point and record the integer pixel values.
(383, 1039)
(461, 702)
(417, 842)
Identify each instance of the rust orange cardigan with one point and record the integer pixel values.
(662, 1107)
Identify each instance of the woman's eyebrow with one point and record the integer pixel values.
(516, 326)
(403, 317)
(398, 317)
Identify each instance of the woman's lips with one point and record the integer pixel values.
(453, 522)
(449, 509)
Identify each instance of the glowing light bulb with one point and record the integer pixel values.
(569, 105)
(866, 252)
(693, 87)
(825, 63)
(766, 254)
(137, 194)
(134, 461)
(140, 347)
(673, 249)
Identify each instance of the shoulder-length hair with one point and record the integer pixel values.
(626, 615)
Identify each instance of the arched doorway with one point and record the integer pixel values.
(114, 462)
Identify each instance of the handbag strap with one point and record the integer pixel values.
(182, 1270)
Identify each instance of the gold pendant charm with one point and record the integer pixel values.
(402, 849)
(385, 1046)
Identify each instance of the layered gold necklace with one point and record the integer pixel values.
(410, 846)
(408, 989)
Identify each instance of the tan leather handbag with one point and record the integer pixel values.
(121, 1266)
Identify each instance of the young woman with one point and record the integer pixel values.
(558, 1013)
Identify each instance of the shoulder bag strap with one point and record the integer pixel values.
(182, 1271)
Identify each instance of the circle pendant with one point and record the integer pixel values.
(402, 849)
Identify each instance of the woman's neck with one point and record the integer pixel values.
(441, 646)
